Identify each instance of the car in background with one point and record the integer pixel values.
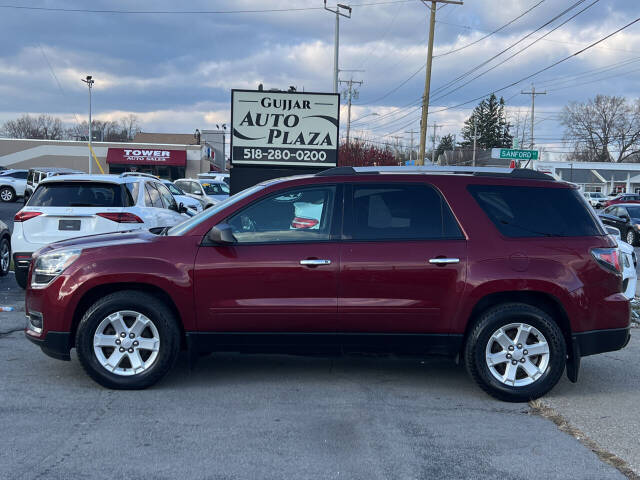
(595, 199)
(623, 198)
(69, 206)
(628, 263)
(220, 177)
(36, 175)
(5, 249)
(194, 204)
(210, 192)
(13, 184)
(626, 218)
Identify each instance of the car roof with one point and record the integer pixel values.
(96, 178)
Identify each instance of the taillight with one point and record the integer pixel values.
(608, 258)
(121, 217)
(24, 216)
(300, 222)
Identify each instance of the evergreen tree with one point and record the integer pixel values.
(446, 144)
(491, 122)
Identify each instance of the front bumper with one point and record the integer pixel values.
(55, 344)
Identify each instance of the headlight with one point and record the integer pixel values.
(48, 266)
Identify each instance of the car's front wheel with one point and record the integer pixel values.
(7, 194)
(128, 340)
(515, 352)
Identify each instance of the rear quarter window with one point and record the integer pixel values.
(78, 194)
(536, 211)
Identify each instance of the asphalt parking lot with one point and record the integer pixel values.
(290, 417)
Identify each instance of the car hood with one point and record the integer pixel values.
(102, 240)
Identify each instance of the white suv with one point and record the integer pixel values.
(69, 206)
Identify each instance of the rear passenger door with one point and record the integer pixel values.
(402, 260)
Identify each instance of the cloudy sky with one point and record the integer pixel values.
(175, 69)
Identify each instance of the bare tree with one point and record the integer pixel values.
(40, 127)
(122, 130)
(130, 126)
(604, 129)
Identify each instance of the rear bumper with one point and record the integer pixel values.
(600, 341)
(55, 344)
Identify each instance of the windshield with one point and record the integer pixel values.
(187, 225)
(215, 188)
(173, 189)
(634, 212)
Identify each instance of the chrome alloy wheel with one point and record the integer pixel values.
(5, 256)
(517, 354)
(6, 195)
(126, 343)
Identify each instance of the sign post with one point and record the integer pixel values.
(276, 134)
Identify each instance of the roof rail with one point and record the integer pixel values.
(523, 173)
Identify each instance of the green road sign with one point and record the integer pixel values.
(514, 154)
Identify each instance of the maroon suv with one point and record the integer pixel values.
(507, 271)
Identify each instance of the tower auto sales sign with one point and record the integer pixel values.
(282, 128)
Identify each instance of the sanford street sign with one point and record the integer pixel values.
(514, 154)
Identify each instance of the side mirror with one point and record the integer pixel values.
(198, 192)
(182, 208)
(221, 234)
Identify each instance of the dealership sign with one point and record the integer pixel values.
(144, 156)
(282, 128)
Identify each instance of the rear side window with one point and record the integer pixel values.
(536, 212)
(400, 212)
(78, 194)
(153, 196)
(134, 191)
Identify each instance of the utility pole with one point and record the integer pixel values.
(89, 81)
(427, 82)
(351, 93)
(533, 94)
(411, 150)
(336, 43)
(475, 137)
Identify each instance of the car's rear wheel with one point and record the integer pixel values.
(5, 256)
(515, 352)
(7, 194)
(631, 237)
(128, 340)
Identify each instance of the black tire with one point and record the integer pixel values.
(5, 249)
(7, 194)
(631, 237)
(21, 277)
(154, 309)
(503, 315)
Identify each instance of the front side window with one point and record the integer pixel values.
(154, 196)
(173, 189)
(399, 212)
(167, 199)
(297, 215)
(536, 211)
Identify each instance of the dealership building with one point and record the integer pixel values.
(166, 155)
(603, 177)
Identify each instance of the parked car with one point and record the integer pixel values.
(70, 206)
(5, 249)
(12, 184)
(626, 218)
(629, 263)
(595, 199)
(623, 198)
(194, 204)
(220, 177)
(36, 175)
(405, 262)
(210, 192)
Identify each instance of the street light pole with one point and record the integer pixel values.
(89, 81)
(336, 41)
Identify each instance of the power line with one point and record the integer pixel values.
(191, 12)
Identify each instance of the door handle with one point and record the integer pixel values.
(315, 262)
(443, 261)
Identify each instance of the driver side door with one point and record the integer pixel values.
(281, 274)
